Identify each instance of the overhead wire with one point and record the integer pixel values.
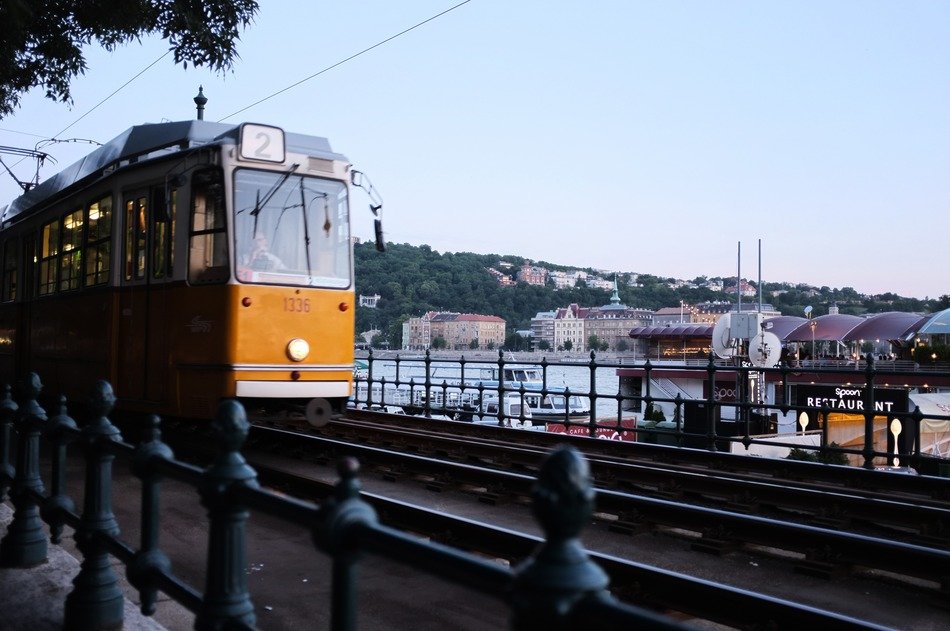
(92, 109)
(343, 61)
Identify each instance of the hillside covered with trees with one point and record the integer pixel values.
(411, 280)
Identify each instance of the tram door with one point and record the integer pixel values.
(24, 319)
(142, 353)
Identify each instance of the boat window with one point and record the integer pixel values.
(49, 253)
(9, 269)
(208, 250)
(71, 261)
(98, 241)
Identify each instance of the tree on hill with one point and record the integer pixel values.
(414, 279)
(42, 40)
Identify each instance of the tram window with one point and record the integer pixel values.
(163, 233)
(208, 249)
(136, 226)
(98, 241)
(71, 260)
(49, 258)
(9, 270)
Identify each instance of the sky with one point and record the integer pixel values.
(629, 136)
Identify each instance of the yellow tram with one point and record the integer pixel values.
(186, 262)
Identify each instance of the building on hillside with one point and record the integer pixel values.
(746, 289)
(542, 330)
(612, 323)
(458, 330)
(599, 283)
(569, 327)
(417, 332)
(563, 280)
(468, 330)
(369, 301)
(532, 275)
(501, 278)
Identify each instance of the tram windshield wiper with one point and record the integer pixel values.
(260, 203)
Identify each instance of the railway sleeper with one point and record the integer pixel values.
(714, 545)
(822, 563)
(628, 523)
(392, 474)
(436, 484)
(716, 540)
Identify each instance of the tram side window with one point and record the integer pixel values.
(49, 258)
(208, 244)
(98, 241)
(136, 233)
(71, 259)
(9, 270)
(163, 232)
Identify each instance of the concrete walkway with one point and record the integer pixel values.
(33, 599)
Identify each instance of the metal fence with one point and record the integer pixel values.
(557, 587)
(792, 409)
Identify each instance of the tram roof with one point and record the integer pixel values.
(143, 142)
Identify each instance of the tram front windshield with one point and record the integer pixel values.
(291, 229)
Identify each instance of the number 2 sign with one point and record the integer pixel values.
(261, 142)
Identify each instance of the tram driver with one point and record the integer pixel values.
(261, 258)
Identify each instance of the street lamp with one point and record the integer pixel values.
(933, 360)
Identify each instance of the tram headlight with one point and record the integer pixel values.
(298, 349)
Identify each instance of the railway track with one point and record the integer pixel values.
(445, 467)
(633, 582)
(914, 518)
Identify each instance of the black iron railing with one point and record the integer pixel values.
(557, 586)
(794, 409)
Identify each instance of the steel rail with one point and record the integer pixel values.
(667, 590)
(924, 522)
(719, 528)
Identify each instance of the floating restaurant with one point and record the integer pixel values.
(809, 381)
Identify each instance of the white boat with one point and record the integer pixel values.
(462, 394)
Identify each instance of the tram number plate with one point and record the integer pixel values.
(299, 305)
(262, 142)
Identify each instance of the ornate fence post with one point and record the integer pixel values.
(226, 600)
(150, 560)
(338, 516)
(8, 411)
(25, 542)
(61, 431)
(560, 573)
(96, 602)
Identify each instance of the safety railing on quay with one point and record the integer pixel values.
(891, 435)
(558, 586)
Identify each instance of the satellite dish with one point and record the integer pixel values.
(724, 346)
(765, 350)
